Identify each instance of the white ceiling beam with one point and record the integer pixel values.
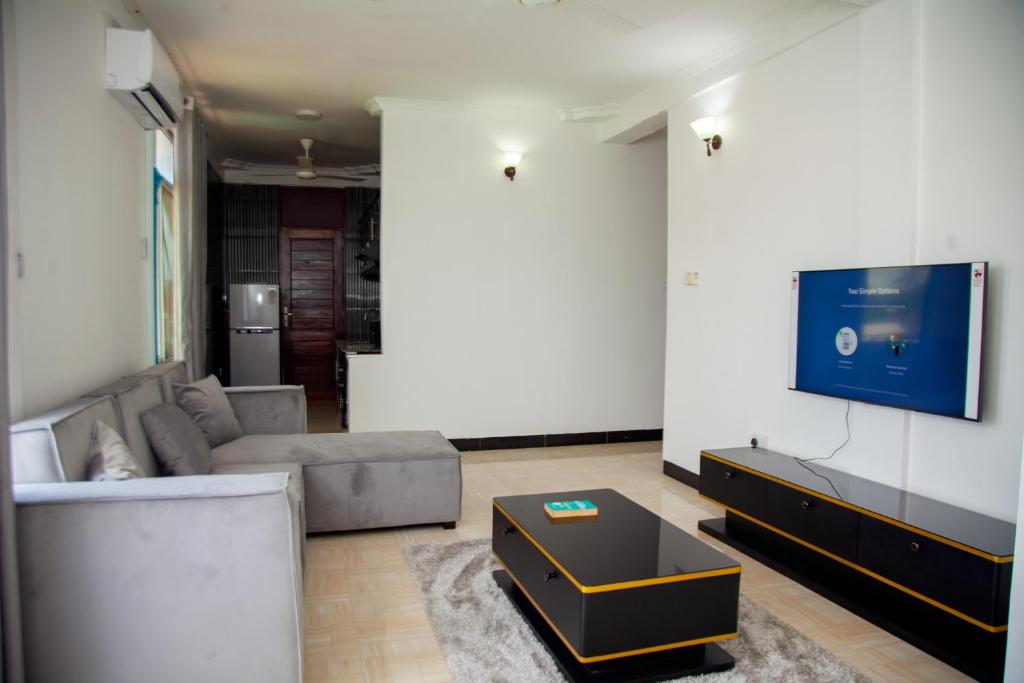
(647, 108)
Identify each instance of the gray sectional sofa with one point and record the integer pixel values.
(200, 577)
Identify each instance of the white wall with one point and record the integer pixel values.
(972, 205)
(78, 190)
(892, 138)
(509, 308)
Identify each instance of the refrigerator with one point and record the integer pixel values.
(255, 335)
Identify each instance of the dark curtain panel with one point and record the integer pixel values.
(216, 322)
(362, 269)
(250, 234)
(241, 239)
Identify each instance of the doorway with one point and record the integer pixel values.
(311, 262)
(312, 308)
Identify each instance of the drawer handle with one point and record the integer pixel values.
(508, 530)
(915, 546)
(729, 475)
(550, 575)
(805, 504)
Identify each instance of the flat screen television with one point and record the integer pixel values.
(907, 336)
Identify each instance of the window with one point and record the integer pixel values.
(164, 263)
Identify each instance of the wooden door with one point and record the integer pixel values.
(312, 270)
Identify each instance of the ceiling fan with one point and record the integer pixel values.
(306, 170)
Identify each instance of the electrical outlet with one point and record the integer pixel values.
(145, 248)
(693, 278)
(19, 268)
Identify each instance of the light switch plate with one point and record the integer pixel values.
(693, 278)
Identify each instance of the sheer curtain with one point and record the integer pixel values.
(190, 193)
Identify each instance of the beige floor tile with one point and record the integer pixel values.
(325, 583)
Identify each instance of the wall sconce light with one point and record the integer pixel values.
(707, 130)
(512, 160)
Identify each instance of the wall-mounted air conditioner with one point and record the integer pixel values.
(142, 78)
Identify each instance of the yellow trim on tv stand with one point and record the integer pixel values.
(853, 565)
(614, 655)
(623, 585)
(999, 559)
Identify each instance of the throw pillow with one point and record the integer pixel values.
(109, 456)
(179, 445)
(207, 404)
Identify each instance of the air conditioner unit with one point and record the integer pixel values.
(141, 76)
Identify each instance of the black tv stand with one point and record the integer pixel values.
(936, 575)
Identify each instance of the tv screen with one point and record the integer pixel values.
(908, 337)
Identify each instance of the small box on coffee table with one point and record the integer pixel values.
(570, 510)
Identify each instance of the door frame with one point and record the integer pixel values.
(285, 235)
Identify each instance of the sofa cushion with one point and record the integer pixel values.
(133, 396)
(168, 373)
(180, 446)
(269, 410)
(109, 456)
(207, 404)
(318, 449)
(54, 446)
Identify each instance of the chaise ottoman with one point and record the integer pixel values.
(363, 480)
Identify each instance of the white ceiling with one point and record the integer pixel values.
(251, 63)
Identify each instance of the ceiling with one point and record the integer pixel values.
(252, 63)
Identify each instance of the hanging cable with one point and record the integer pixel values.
(841, 446)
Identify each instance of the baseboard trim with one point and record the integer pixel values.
(680, 474)
(493, 443)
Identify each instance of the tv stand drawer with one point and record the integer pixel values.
(951, 576)
(826, 525)
(732, 486)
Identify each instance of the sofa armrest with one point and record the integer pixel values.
(269, 410)
(160, 579)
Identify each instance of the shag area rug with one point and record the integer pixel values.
(484, 638)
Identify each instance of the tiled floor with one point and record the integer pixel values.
(365, 620)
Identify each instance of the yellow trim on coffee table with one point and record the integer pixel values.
(999, 559)
(853, 565)
(614, 655)
(622, 585)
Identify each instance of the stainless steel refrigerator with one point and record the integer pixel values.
(254, 330)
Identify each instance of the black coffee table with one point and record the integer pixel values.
(625, 597)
